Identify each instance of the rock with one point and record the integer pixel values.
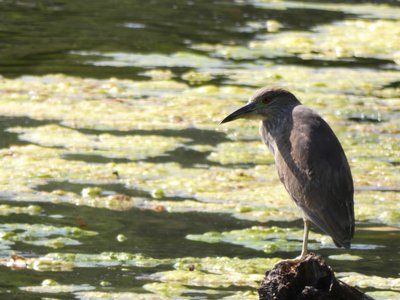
(308, 279)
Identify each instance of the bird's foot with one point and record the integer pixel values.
(291, 261)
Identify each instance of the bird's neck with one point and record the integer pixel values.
(275, 130)
(279, 122)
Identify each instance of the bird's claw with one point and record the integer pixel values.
(291, 261)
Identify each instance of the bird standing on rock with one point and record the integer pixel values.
(310, 161)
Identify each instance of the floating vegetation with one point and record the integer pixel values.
(241, 153)
(68, 261)
(179, 59)
(51, 286)
(175, 289)
(216, 271)
(346, 256)
(387, 203)
(41, 235)
(130, 147)
(363, 10)
(347, 39)
(197, 77)
(121, 238)
(118, 296)
(267, 239)
(6, 209)
(188, 273)
(384, 295)
(364, 281)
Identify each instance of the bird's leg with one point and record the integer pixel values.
(304, 249)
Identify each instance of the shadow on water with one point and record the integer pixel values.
(106, 189)
(196, 136)
(186, 157)
(342, 63)
(92, 158)
(158, 235)
(10, 138)
(189, 158)
(131, 26)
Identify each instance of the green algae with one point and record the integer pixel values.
(121, 238)
(27, 166)
(384, 295)
(324, 86)
(179, 59)
(57, 261)
(240, 210)
(39, 264)
(157, 193)
(363, 10)
(69, 99)
(185, 206)
(197, 77)
(254, 193)
(130, 147)
(247, 295)
(173, 289)
(344, 39)
(347, 256)
(378, 206)
(6, 210)
(375, 172)
(196, 278)
(41, 235)
(93, 295)
(159, 74)
(189, 274)
(91, 192)
(123, 259)
(377, 282)
(241, 187)
(51, 286)
(241, 153)
(222, 265)
(267, 239)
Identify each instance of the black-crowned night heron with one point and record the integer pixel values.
(310, 161)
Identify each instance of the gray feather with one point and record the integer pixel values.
(314, 170)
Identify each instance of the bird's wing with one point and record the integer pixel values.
(327, 187)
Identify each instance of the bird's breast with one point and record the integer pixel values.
(292, 172)
(267, 137)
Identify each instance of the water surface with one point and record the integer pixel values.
(116, 179)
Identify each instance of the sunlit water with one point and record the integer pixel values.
(116, 180)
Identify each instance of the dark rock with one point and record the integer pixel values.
(308, 279)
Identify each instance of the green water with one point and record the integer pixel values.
(116, 180)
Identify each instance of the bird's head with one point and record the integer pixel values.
(264, 104)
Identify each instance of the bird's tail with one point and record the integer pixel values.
(339, 226)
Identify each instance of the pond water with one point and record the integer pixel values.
(117, 181)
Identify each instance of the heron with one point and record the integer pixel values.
(309, 159)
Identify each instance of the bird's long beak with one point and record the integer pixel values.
(242, 113)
